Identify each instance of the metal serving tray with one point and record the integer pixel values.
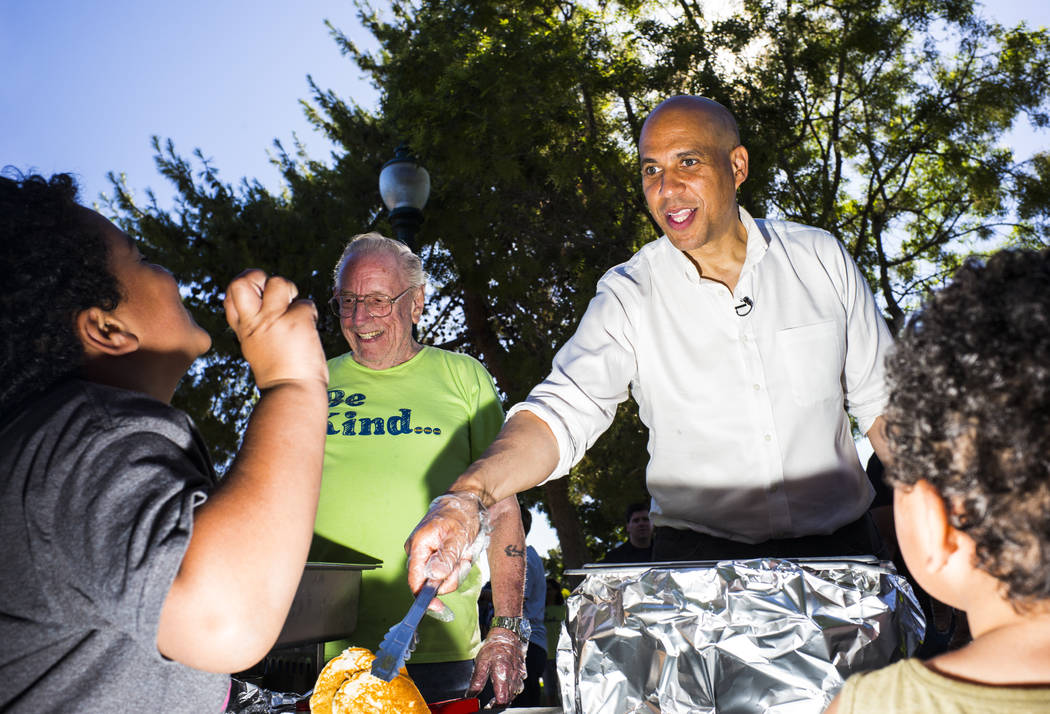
(325, 605)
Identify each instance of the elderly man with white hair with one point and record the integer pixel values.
(404, 420)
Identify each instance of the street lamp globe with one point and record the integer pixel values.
(404, 186)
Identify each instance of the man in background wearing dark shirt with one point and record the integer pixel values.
(639, 545)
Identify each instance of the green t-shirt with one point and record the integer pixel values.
(398, 438)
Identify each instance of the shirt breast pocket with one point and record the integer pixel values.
(812, 358)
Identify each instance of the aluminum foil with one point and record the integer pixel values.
(763, 635)
(250, 698)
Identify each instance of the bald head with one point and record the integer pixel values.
(708, 112)
(692, 164)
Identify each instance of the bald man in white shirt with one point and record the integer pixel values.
(744, 343)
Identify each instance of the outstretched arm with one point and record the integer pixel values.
(250, 538)
(522, 456)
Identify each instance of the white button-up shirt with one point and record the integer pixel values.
(749, 437)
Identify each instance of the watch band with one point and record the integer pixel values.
(518, 625)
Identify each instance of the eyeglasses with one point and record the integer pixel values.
(376, 305)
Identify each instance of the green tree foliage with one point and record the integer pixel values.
(511, 107)
(880, 121)
(506, 104)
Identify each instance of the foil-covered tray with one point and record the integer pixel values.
(765, 635)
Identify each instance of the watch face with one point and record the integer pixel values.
(518, 625)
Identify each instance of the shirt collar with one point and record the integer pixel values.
(757, 242)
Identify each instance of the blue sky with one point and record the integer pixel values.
(84, 85)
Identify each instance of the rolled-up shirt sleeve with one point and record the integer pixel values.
(868, 341)
(590, 375)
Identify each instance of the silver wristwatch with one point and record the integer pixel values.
(518, 625)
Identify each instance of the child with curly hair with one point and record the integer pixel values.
(131, 579)
(970, 437)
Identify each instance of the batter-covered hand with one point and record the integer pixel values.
(501, 659)
(447, 542)
(278, 334)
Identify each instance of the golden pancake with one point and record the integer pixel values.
(346, 686)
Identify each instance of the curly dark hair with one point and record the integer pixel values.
(53, 265)
(968, 412)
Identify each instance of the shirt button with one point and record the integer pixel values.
(769, 437)
(756, 387)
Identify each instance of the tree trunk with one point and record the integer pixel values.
(566, 522)
(480, 332)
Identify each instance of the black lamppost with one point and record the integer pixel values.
(405, 187)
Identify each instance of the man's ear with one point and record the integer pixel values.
(417, 305)
(103, 334)
(740, 162)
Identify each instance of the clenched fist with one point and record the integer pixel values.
(278, 334)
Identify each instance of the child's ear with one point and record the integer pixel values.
(103, 334)
(933, 527)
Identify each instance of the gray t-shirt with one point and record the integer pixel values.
(96, 508)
